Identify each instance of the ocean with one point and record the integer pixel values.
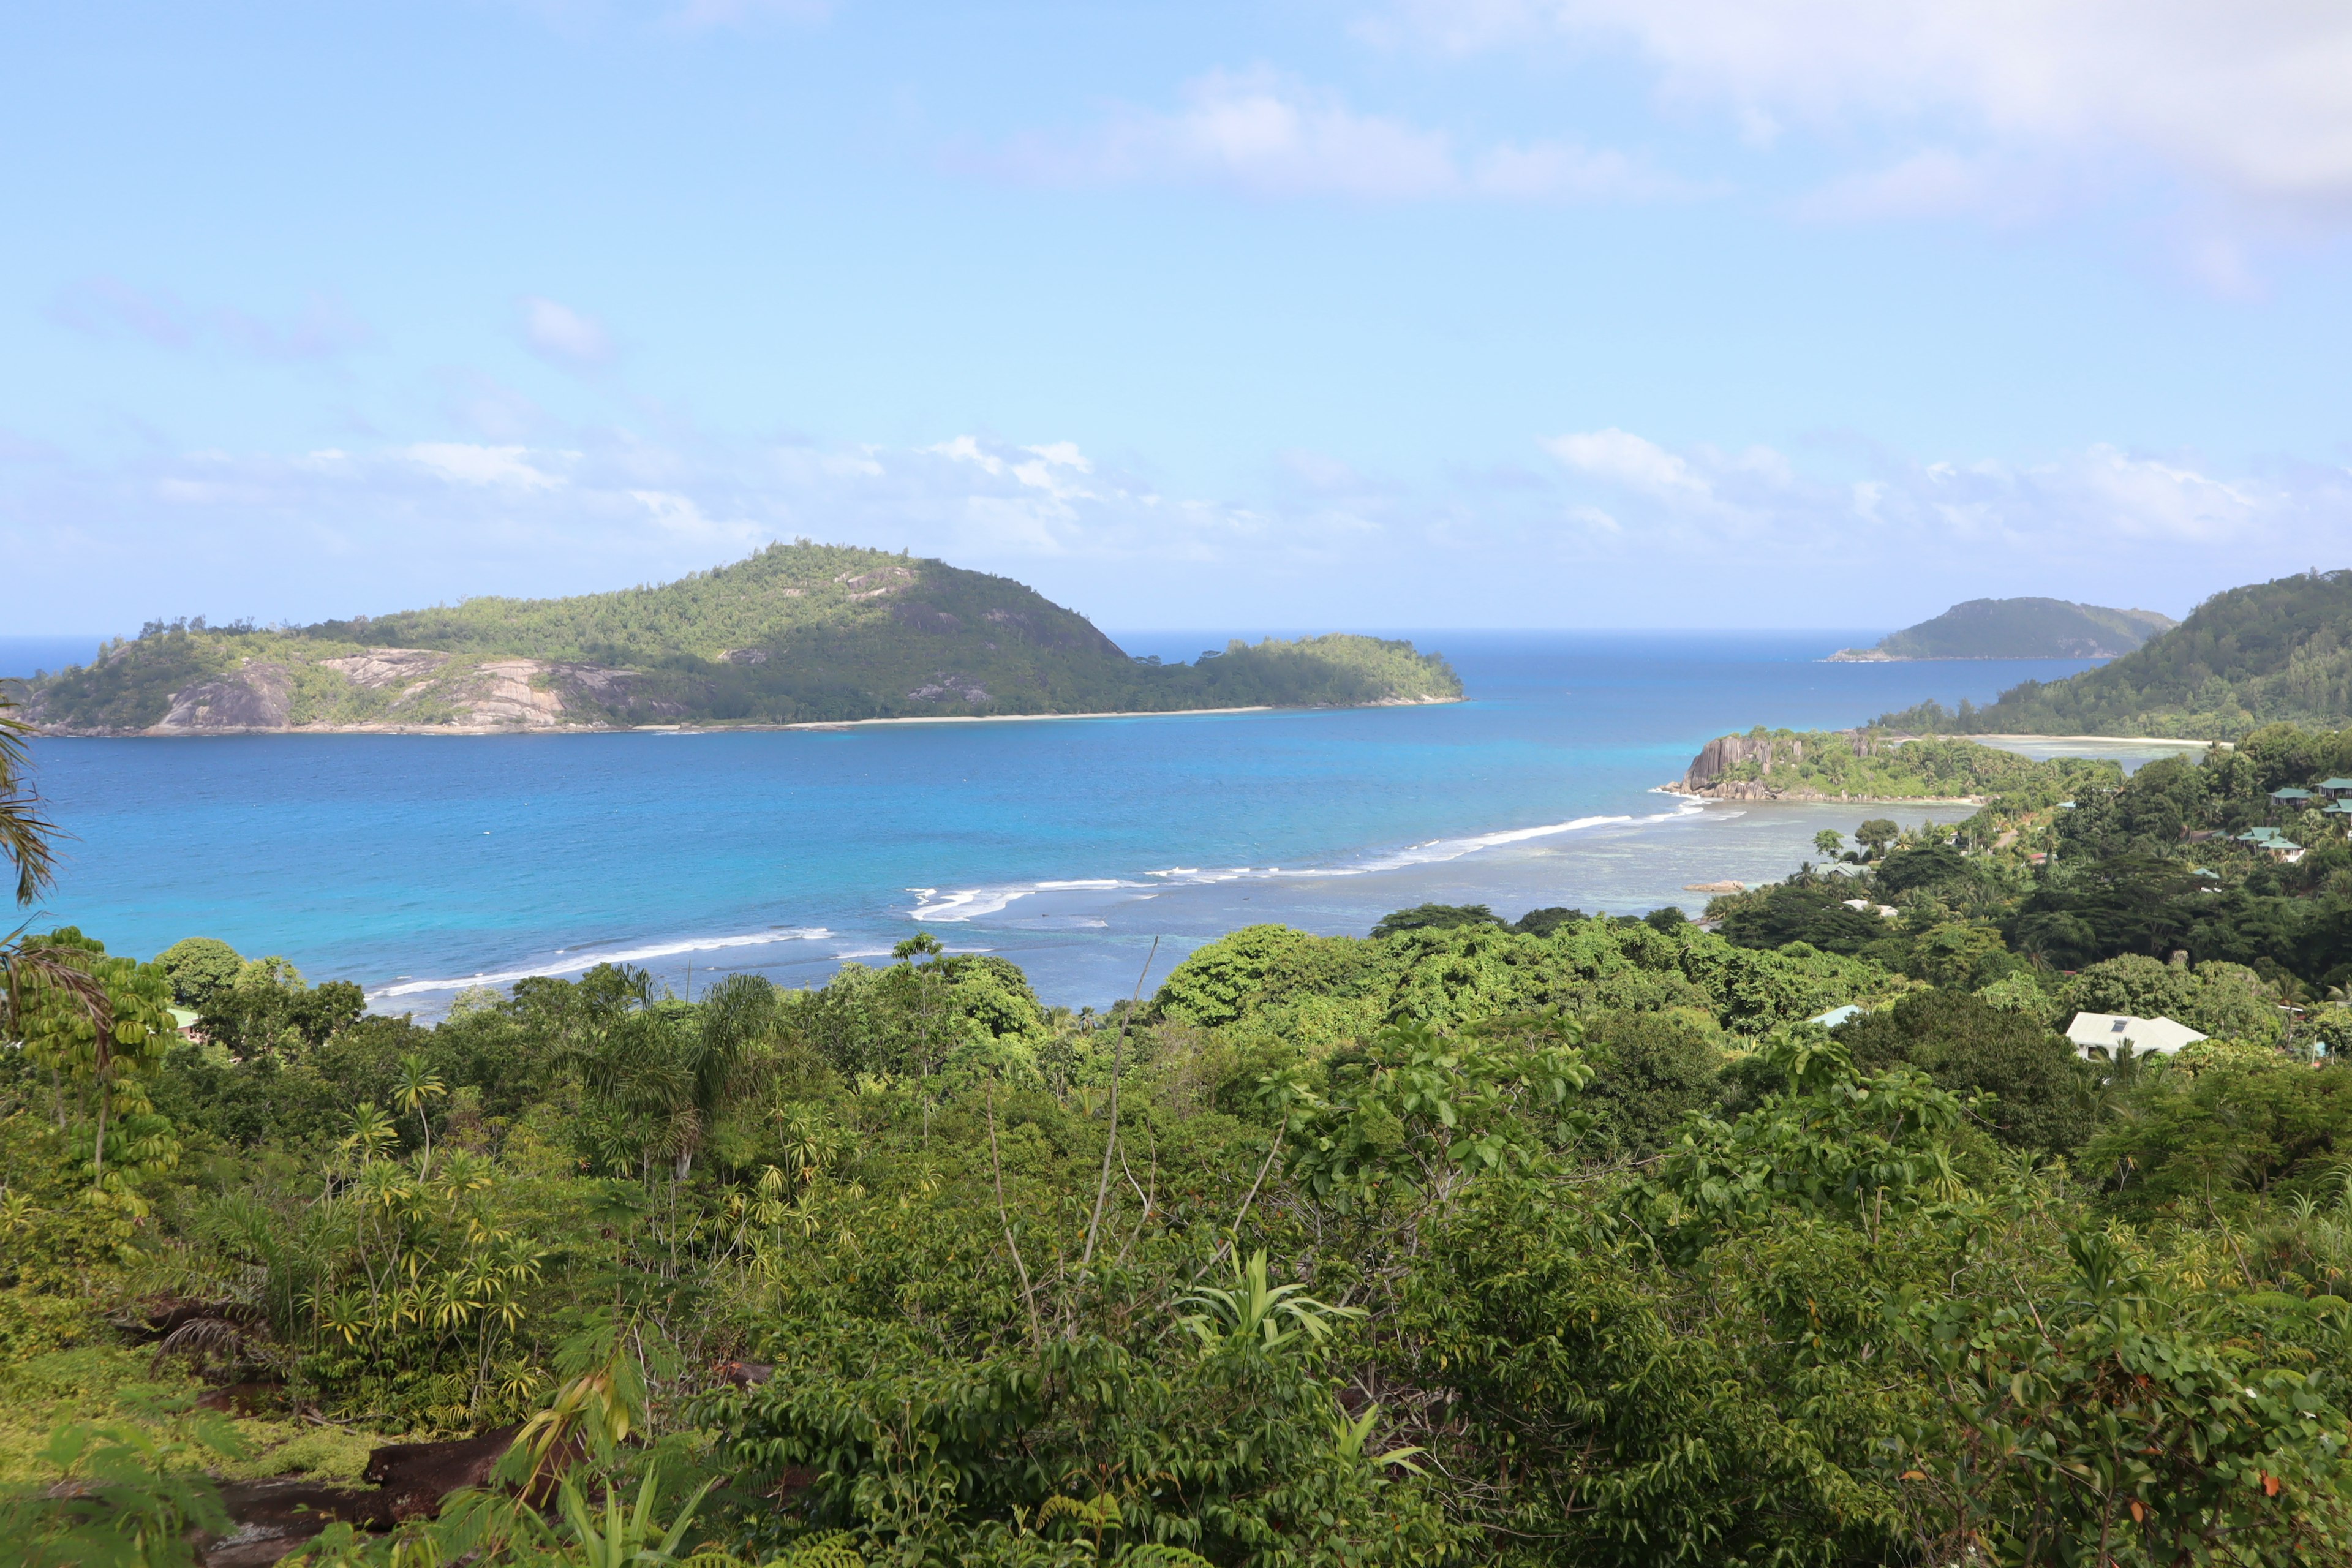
(417, 866)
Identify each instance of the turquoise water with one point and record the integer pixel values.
(415, 865)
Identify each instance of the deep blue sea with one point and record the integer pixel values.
(418, 865)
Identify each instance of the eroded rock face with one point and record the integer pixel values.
(1031, 629)
(500, 692)
(1725, 752)
(875, 584)
(948, 686)
(258, 697)
(381, 667)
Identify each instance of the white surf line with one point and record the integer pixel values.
(968, 903)
(576, 962)
(963, 904)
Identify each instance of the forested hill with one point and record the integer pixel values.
(2019, 628)
(2267, 652)
(798, 633)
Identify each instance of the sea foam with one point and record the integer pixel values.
(957, 905)
(575, 963)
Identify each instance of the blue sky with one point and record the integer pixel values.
(1503, 313)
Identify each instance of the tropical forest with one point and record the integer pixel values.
(1794, 1234)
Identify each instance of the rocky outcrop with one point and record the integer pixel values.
(875, 584)
(378, 668)
(949, 686)
(255, 696)
(1726, 753)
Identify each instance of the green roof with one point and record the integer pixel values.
(2335, 784)
(2290, 794)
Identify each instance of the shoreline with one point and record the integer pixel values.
(1787, 798)
(472, 731)
(1862, 656)
(2104, 740)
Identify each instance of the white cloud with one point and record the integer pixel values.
(513, 467)
(2247, 100)
(559, 334)
(2100, 497)
(1272, 135)
(1621, 458)
(1600, 527)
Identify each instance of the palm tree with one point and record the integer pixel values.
(417, 1085)
(27, 837)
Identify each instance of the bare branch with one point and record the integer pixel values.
(1117, 1049)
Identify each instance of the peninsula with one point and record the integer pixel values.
(2267, 652)
(796, 633)
(2017, 628)
(1877, 765)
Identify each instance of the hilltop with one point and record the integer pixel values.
(796, 633)
(2267, 653)
(2019, 628)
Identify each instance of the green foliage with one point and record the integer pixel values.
(2036, 1093)
(124, 1496)
(1650, 1072)
(1436, 917)
(200, 966)
(1870, 764)
(1462, 1244)
(2203, 1137)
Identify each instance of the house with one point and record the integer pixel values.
(1884, 911)
(2270, 838)
(2291, 797)
(2335, 789)
(2105, 1031)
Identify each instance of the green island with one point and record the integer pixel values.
(2017, 628)
(2275, 652)
(796, 633)
(1795, 1234)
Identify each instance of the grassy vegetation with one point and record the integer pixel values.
(797, 633)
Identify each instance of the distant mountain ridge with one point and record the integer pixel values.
(2019, 628)
(797, 633)
(2267, 653)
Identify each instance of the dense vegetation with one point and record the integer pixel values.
(2276, 652)
(2019, 628)
(797, 633)
(1568, 1241)
(1869, 764)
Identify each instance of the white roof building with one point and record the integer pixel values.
(2146, 1035)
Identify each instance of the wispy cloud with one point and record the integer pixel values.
(1270, 134)
(321, 329)
(563, 336)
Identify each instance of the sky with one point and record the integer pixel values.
(1543, 314)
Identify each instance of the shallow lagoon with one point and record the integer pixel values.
(415, 865)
